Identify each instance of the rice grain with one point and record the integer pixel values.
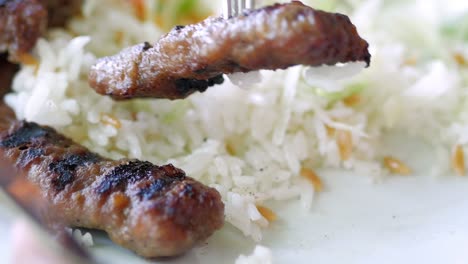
(396, 166)
(313, 178)
(352, 100)
(111, 120)
(458, 160)
(344, 140)
(267, 213)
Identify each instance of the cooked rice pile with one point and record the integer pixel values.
(264, 142)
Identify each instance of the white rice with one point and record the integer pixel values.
(251, 144)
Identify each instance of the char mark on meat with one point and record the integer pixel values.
(65, 169)
(135, 170)
(126, 173)
(146, 46)
(28, 155)
(194, 57)
(178, 27)
(153, 210)
(170, 176)
(185, 87)
(25, 135)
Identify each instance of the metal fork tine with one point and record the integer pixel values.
(250, 4)
(227, 8)
(235, 11)
(241, 6)
(235, 7)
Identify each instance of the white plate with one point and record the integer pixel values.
(412, 219)
(417, 220)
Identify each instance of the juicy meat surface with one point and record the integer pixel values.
(22, 22)
(194, 57)
(7, 71)
(152, 210)
(60, 11)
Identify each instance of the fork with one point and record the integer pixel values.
(235, 7)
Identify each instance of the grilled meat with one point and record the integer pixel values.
(152, 210)
(7, 71)
(60, 11)
(194, 57)
(22, 22)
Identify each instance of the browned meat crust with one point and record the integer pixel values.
(152, 210)
(22, 22)
(60, 11)
(7, 71)
(194, 57)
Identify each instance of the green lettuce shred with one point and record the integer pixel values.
(456, 28)
(334, 97)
